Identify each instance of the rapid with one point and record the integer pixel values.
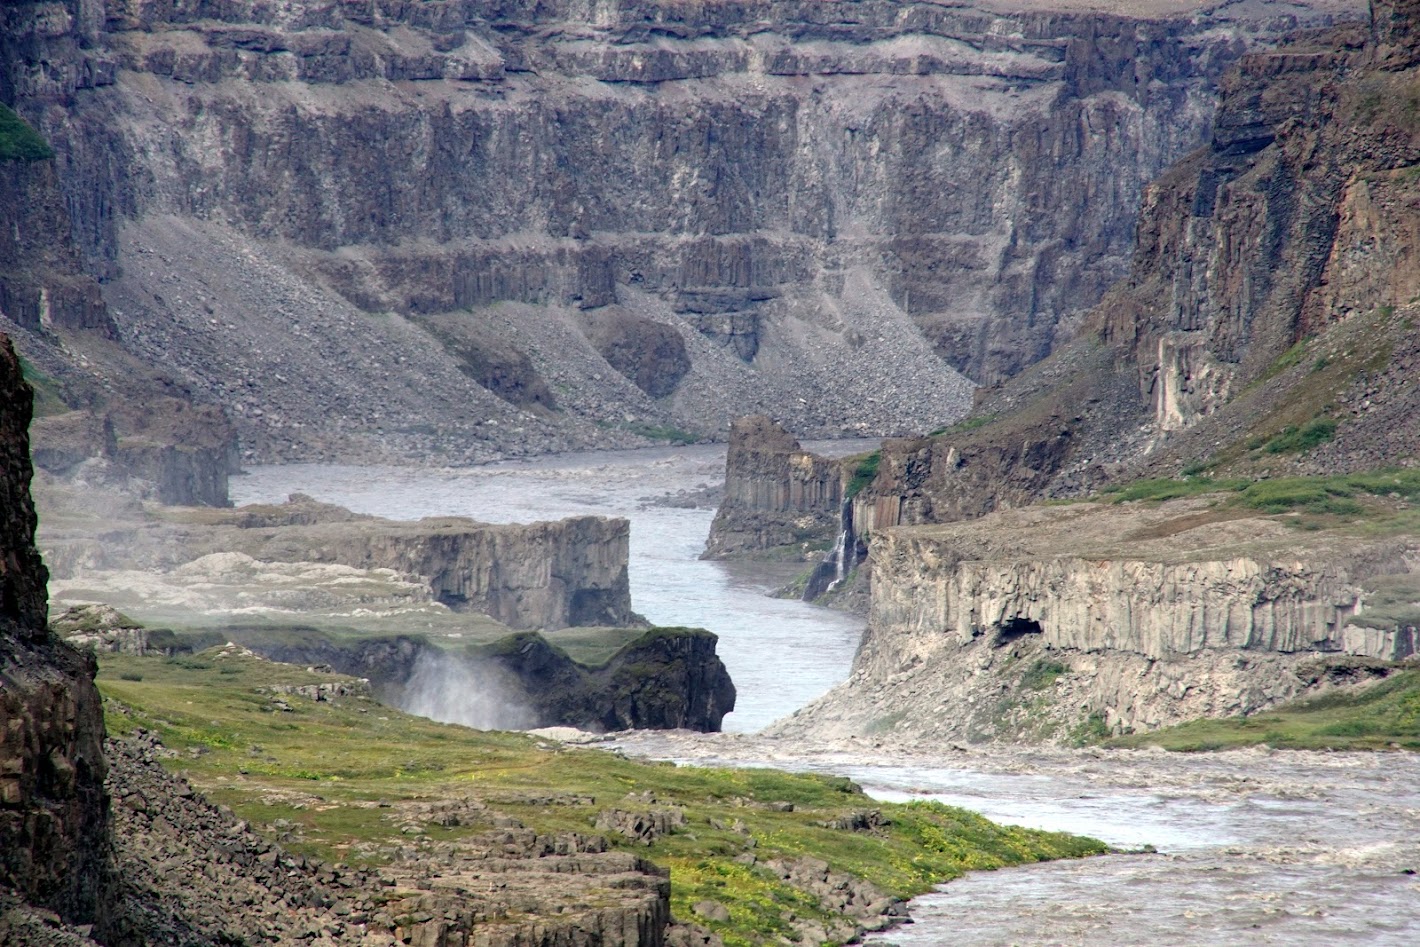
(1250, 847)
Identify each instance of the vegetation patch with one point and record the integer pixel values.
(1042, 674)
(962, 427)
(258, 752)
(1382, 715)
(1296, 440)
(20, 142)
(1342, 495)
(864, 473)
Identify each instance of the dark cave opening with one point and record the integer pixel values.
(1015, 628)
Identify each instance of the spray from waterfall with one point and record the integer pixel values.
(451, 689)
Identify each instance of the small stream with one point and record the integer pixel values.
(1254, 847)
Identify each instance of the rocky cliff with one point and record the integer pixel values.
(570, 572)
(1027, 624)
(772, 199)
(542, 575)
(667, 678)
(53, 808)
(1267, 325)
(776, 493)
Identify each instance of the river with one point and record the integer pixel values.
(1254, 847)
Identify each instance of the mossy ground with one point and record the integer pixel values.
(20, 142)
(237, 745)
(1383, 715)
(1382, 500)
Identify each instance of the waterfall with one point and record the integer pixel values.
(840, 559)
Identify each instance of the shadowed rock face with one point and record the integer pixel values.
(53, 809)
(669, 678)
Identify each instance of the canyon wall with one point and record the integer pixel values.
(854, 200)
(1043, 623)
(558, 574)
(53, 807)
(1273, 288)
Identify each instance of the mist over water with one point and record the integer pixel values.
(780, 653)
(452, 690)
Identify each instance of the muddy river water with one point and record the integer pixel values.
(1253, 847)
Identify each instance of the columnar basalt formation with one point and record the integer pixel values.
(53, 809)
(800, 197)
(1026, 624)
(776, 493)
(1273, 287)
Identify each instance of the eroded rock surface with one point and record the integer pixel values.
(776, 493)
(828, 207)
(53, 810)
(1024, 625)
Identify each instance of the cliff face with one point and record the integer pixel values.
(823, 197)
(668, 678)
(1028, 624)
(543, 575)
(776, 493)
(53, 809)
(1273, 287)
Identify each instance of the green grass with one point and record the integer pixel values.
(48, 399)
(1341, 495)
(1042, 674)
(342, 754)
(1296, 440)
(1370, 718)
(962, 427)
(864, 473)
(20, 142)
(1168, 488)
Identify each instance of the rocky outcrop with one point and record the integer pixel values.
(668, 678)
(570, 572)
(1273, 288)
(166, 448)
(804, 197)
(53, 810)
(776, 493)
(1029, 623)
(1078, 580)
(43, 285)
(542, 575)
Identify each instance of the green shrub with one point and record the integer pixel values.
(1042, 674)
(20, 142)
(864, 473)
(1295, 440)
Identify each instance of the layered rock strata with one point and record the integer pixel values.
(1273, 290)
(1137, 617)
(570, 572)
(823, 197)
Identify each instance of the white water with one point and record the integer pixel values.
(780, 653)
(1255, 848)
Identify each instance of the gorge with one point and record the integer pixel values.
(1147, 278)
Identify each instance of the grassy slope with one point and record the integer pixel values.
(353, 750)
(1376, 717)
(20, 142)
